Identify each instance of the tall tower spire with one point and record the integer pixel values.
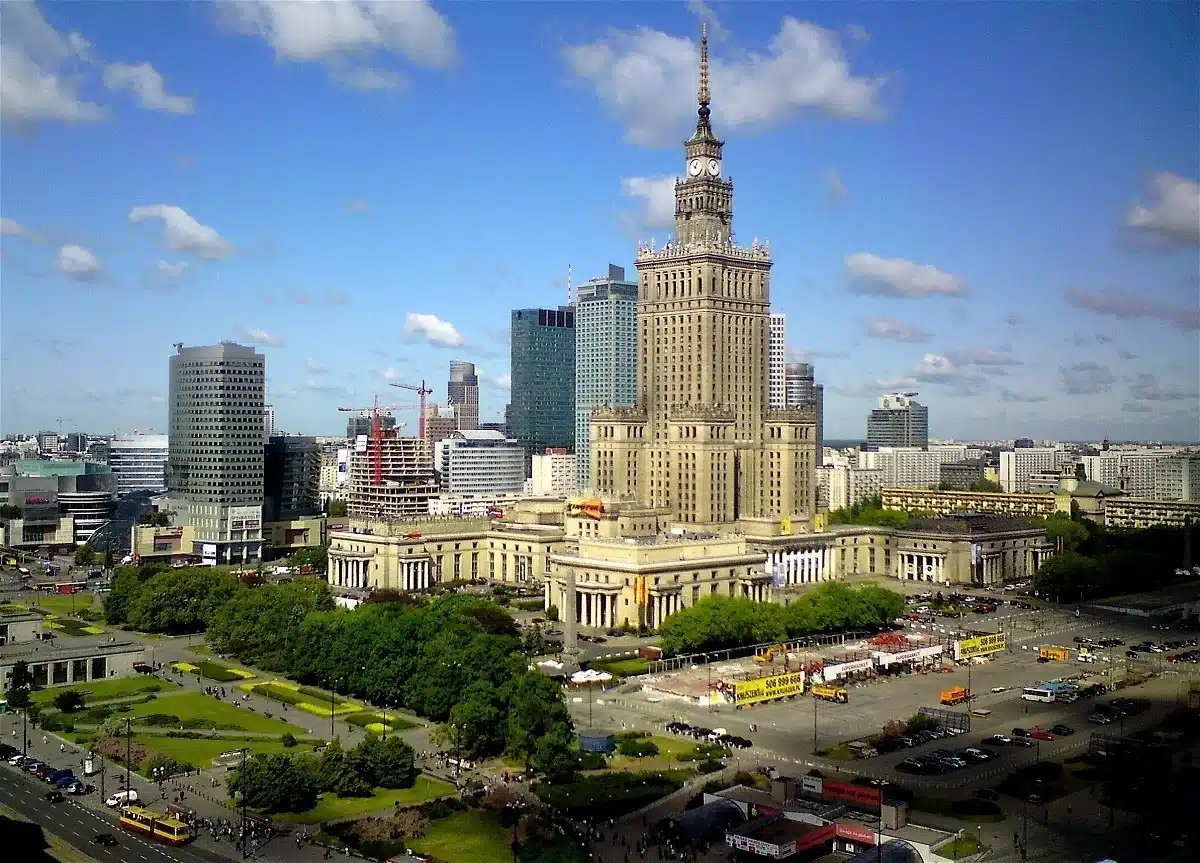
(702, 124)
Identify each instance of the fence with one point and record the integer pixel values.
(674, 663)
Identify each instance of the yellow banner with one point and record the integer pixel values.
(768, 688)
(980, 646)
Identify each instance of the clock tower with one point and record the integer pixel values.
(703, 199)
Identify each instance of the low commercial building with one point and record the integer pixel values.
(173, 544)
(66, 660)
(1130, 512)
(960, 475)
(479, 461)
(925, 500)
(62, 503)
(20, 628)
(281, 538)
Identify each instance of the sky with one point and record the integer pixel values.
(992, 204)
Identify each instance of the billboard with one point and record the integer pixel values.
(589, 507)
(856, 833)
(360, 443)
(768, 688)
(979, 646)
(848, 793)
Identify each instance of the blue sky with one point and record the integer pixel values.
(994, 204)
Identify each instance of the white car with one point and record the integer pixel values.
(998, 688)
(121, 798)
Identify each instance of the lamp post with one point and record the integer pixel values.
(128, 756)
(814, 700)
(243, 750)
(879, 827)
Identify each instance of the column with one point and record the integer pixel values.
(613, 600)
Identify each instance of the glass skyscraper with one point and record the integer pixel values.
(605, 355)
(543, 379)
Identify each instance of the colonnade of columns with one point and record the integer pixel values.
(801, 566)
(349, 571)
(757, 592)
(922, 567)
(414, 574)
(661, 605)
(592, 608)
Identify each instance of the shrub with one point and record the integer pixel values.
(69, 701)
(96, 715)
(213, 671)
(637, 748)
(710, 766)
(592, 760)
(320, 696)
(623, 736)
(287, 739)
(159, 719)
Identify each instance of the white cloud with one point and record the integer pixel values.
(985, 357)
(172, 270)
(182, 233)
(145, 81)
(656, 202)
(260, 338)
(432, 329)
(835, 188)
(895, 277)
(78, 263)
(36, 70)
(1174, 216)
(500, 382)
(935, 366)
(11, 228)
(314, 367)
(647, 79)
(1131, 306)
(894, 330)
(388, 374)
(343, 35)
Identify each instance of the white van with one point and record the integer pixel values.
(122, 798)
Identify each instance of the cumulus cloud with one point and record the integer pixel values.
(894, 330)
(76, 262)
(1147, 388)
(11, 228)
(1173, 217)
(260, 338)
(1024, 398)
(1118, 304)
(647, 80)
(872, 275)
(37, 66)
(144, 81)
(388, 374)
(172, 270)
(655, 198)
(498, 382)
(1086, 378)
(182, 233)
(431, 329)
(352, 38)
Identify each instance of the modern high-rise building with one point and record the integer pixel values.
(407, 479)
(702, 443)
(477, 461)
(291, 478)
(215, 448)
(1017, 465)
(802, 391)
(899, 421)
(361, 424)
(777, 362)
(605, 355)
(462, 394)
(543, 378)
(139, 462)
(268, 422)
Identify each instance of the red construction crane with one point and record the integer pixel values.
(422, 391)
(376, 431)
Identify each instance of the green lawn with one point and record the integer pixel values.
(374, 721)
(669, 748)
(963, 846)
(201, 752)
(193, 705)
(466, 837)
(622, 667)
(288, 692)
(65, 605)
(201, 650)
(96, 690)
(216, 671)
(333, 808)
(71, 626)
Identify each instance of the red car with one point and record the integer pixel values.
(1038, 734)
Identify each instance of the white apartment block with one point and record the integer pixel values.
(845, 486)
(268, 422)
(777, 362)
(910, 467)
(555, 474)
(1018, 465)
(480, 461)
(1149, 474)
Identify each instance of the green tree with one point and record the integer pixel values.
(337, 509)
(260, 625)
(178, 601)
(21, 675)
(988, 485)
(479, 720)
(387, 763)
(68, 701)
(18, 697)
(536, 706)
(84, 556)
(275, 783)
(7, 511)
(317, 558)
(554, 754)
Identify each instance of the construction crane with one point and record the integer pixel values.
(376, 432)
(422, 391)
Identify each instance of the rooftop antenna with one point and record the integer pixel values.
(568, 284)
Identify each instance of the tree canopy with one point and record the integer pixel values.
(718, 622)
(174, 601)
(869, 512)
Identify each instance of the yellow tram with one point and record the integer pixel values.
(156, 826)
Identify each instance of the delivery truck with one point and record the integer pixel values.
(956, 695)
(836, 694)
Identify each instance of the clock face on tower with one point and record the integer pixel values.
(714, 168)
(694, 167)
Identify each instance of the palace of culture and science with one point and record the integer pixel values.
(701, 444)
(700, 489)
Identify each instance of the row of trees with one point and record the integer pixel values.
(869, 512)
(156, 598)
(456, 659)
(287, 782)
(719, 622)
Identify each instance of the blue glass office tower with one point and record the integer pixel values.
(543, 378)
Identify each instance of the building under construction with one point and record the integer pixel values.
(407, 480)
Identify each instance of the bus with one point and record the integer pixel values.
(1037, 694)
(160, 828)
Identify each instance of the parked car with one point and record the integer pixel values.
(998, 740)
(1020, 732)
(1062, 730)
(54, 796)
(986, 794)
(1023, 741)
(1040, 734)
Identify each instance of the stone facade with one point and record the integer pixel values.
(925, 500)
